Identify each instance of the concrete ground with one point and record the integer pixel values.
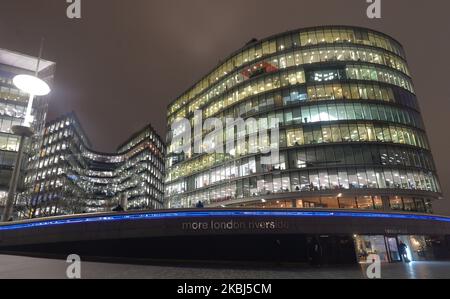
(38, 268)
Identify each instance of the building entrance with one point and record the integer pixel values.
(393, 250)
(368, 245)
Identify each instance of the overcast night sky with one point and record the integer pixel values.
(124, 61)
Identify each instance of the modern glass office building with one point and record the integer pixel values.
(68, 177)
(13, 105)
(351, 131)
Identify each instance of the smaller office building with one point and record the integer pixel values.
(68, 177)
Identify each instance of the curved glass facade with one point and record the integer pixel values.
(350, 128)
(69, 178)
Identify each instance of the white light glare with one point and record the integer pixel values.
(31, 85)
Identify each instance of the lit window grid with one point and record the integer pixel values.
(216, 97)
(283, 42)
(64, 155)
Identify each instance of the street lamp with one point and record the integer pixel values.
(33, 86)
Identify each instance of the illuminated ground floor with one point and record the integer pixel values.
(404, 202)
(418, 248)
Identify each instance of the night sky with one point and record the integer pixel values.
(124, 61)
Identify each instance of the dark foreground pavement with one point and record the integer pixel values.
(38, 268)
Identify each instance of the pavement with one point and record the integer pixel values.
(16, 267)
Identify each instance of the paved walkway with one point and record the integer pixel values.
(32, 268)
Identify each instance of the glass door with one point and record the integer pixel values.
(392, 245)
(368, 245)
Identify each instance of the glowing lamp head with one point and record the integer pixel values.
(31, 85)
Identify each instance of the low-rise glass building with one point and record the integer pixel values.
(351, 134)
(68, 177)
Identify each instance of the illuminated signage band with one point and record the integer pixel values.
(200, 214)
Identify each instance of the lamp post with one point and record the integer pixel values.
(34, 87)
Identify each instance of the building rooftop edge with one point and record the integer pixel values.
(23, 61)
(273, 36)
(72, 114)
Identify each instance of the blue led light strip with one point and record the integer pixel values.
(199, 214)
